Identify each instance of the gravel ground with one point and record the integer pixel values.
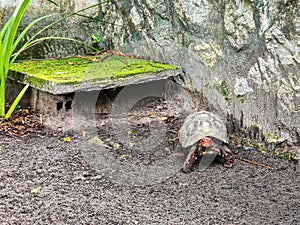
(45, 180)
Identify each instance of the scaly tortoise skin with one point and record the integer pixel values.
(203, 132)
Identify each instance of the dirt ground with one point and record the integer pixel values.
(47, 177)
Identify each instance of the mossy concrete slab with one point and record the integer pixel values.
(87, 73)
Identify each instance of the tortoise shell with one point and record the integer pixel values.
(201, 124)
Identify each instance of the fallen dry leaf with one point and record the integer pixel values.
(150, 113)
(116, 146)
(162, 118)
(34, 191)
(123, 156)
(97, 141)
(67, 139)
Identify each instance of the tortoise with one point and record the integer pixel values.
(205, 137)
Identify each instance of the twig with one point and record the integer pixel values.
(173, 139)
(173, 131)
(41, 119)
(257, 164)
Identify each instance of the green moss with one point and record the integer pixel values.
(79, 69)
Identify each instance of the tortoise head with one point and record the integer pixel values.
(205, 142)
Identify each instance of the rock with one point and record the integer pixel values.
(239, 23)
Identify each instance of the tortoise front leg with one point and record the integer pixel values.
(191, 158)
(227, 156)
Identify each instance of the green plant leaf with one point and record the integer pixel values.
(2, 75)
(53, 2)
(7, 37)
(12, 29)
(4, 56)
(58, 21)
(96, 38)
(24, 32)
(16, 101)
(39, 40)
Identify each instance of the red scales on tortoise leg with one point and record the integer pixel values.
(205, 136)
